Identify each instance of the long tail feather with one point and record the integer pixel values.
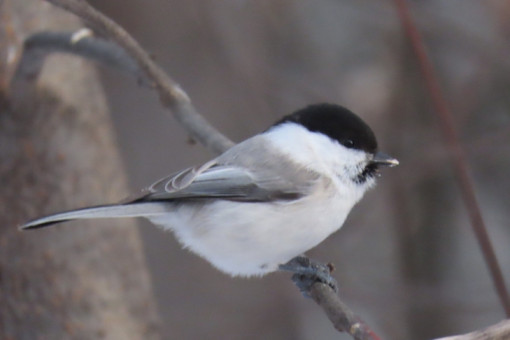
(104, 211)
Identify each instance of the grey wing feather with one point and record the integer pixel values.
(235, 175)
(180, 180)
(217, 182)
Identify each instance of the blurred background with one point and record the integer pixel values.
(407, 260)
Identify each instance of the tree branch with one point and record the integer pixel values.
(39, 45)
(170, 93)
(340, 315)
(499, 331)
(456, 151)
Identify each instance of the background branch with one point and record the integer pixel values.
(499, 331)
(170, 93)
(96, 49)
(38, 46)
(457, 154)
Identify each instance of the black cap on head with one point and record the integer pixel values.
(336, 122)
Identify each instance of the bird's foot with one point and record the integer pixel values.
(307, 272)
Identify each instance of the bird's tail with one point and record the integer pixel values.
(145, 209)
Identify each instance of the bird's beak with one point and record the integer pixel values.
(383, 159)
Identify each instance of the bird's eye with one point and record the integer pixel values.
(348, 143)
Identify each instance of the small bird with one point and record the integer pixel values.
(266, 200)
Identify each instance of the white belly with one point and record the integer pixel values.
(254, 238)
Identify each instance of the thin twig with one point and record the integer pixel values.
(314, 280)
(88, 47)
(39, 46)
(340, 315)
(456, 152)
(170, 93)
(499, 331)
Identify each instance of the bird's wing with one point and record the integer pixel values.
(219, 181)
(235, 176)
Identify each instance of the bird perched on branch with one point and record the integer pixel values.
(265, 201)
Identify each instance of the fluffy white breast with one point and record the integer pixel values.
(246, 239)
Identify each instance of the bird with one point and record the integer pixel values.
(267, 200)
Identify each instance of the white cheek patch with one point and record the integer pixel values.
(319, 153)
(314, 150)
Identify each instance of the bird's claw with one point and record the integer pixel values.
(307, 272)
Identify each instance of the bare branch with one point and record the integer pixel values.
(96, 49)
(499, 331)
(314, 280)
(343, 319)
(456, 152)
(42, 44)
(170, 93)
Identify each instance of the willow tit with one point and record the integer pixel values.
(266, 200)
